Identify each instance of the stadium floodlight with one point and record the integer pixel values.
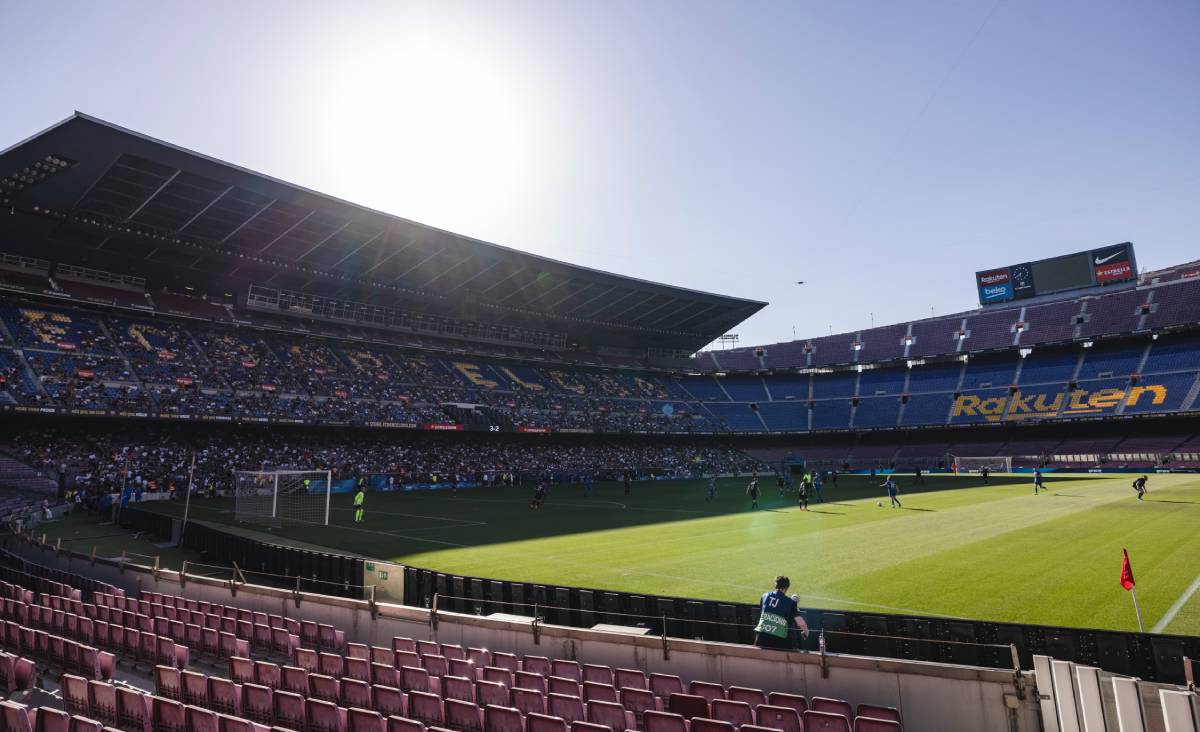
(994, 463)
(273, 497)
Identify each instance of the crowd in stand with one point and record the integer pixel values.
(157, 458)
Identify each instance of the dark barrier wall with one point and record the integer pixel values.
(269, 564)
(1145, 655)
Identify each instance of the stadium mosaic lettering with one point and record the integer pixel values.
(1021, 405)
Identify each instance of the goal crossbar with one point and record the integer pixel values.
(273, 497)
(975, 463)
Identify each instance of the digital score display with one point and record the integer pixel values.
(1103, 266)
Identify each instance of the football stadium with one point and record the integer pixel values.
(278, 461)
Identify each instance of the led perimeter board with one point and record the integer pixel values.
(1104, 266)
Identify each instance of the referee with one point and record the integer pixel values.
(359, 499)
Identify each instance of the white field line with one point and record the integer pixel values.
(1166, 619)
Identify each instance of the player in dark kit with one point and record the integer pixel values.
(984, 473)
(1139, 485)
(627, 484)
(539, 495)
(752, 491)
(803, 487)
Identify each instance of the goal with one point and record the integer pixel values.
(273, 497)
(994, 463)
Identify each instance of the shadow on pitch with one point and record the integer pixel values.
(827, 513)
(923, 510)
(1163, 500)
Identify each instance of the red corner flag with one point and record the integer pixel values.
(1126, 572)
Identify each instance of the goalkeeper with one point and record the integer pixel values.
(359, 499)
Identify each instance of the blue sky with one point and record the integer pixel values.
(881, 151)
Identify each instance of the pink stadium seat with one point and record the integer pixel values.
(75, 694)
(262, 636)
(400, 643)
(544, 723)
(568, 708)
(458, 687)
(735, 712)
(379, 654)
(479, 656)
(506, 661)
(831, 706)
(564, 686)
(15, 717)
(425, 708)
(588, 727)
(168, 715)
(83, 724)
(357, 668)
(786, 719)
(503, 719)
(388, 701)
(428, 648)
(195, 689)
(401, 724)
(384, 674)
(753, 697)
(307, 659)
(241, 670)
(201, 720)
(166, 682)
(358, 650)
(688, 705)
(288, 708)
(102, 698)
(595, 691)
(256, 703)
(793, 701)
(566, 669)
(815, 721)
(284, 642)
(266, 674)
(418, 679)
(223, 696)
(707, 689)
(52, 720)
(324, 687)
(460, 667)
(435, 665)
(536, 664)
(364, 720)
(450, 650)
(464, 716)
(528, 701)
(490, 692)
(870, 724)
(330, 637)
(610, 715)
(700, 724)
(528, 680)
(356, 693)
(629, 678)
(756, 728)
(890, 714)
(331, 664)
(309, 633)
(664, 685)
(324, 716)
(407, 658)
(597, 673)
(133, 710)
(497, 675)
(293, 678)
(638, 702)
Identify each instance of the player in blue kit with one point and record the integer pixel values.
(712, 488)
(890, 485)
(1037, 482)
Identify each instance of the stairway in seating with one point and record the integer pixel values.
(16, 475)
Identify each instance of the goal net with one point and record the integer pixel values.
(994, 464)
(273, 497)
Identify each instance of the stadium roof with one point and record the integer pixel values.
(89, 192)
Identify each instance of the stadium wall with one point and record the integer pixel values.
(932, 697)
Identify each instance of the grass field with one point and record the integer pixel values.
(957, 548)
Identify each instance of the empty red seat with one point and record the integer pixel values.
(308, 632)
(168, 715)
(195, 688)
(831, 706)
(364, 720)
(15, 717)
(256, 703)
(491, 692)
(400, 643)
(707, 689)
(133, 710)
(588, 727)
(425, 708)
(83, 724)
(463, 716)
(418, 679)
(324, 687)
(610, 715)
(815, 721)
(503, 719)
(753, 697)
(385, 674)
(890, 714)
(663, 722)
(735, 712)
(356, 693)
(358, 650)
(479, 656)
(871, 724)
(241, 670)
(223, 696)
(388, 700)
(568, 708)
(536, 664)
(357, 668)
(564, 686)
(75, 694)
(506, 661)
(293, 678)
(497, 675)
(688, 705)
(402, 724)
(638, 702)
(284, 642)
(528, 701)
(458, 687)
(428, 648)
(793, 701)
(52, 720)
(324, 716)
(460, 667)
(331, 664)
(288, 708)
(786, 719)
(450, 650)
(102, 700)
(407, 658)
(700, 724)
(201, 720)
(566, 669)
(306, 659)
(529, 680)
(166, 682)
(596, 691)
(629, 678)
(597, 673)
(544, 723)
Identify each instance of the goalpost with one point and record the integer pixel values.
(273, 497)
(994, 463)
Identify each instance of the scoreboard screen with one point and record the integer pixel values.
(1103, 266)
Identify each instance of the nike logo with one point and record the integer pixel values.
(1102, 260)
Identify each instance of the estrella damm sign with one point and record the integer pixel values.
(1021, 405)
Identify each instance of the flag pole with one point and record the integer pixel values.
(187, 502)
(1136, 609)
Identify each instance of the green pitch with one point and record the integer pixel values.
(956, 548)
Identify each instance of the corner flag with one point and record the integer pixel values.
(1126, 571)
